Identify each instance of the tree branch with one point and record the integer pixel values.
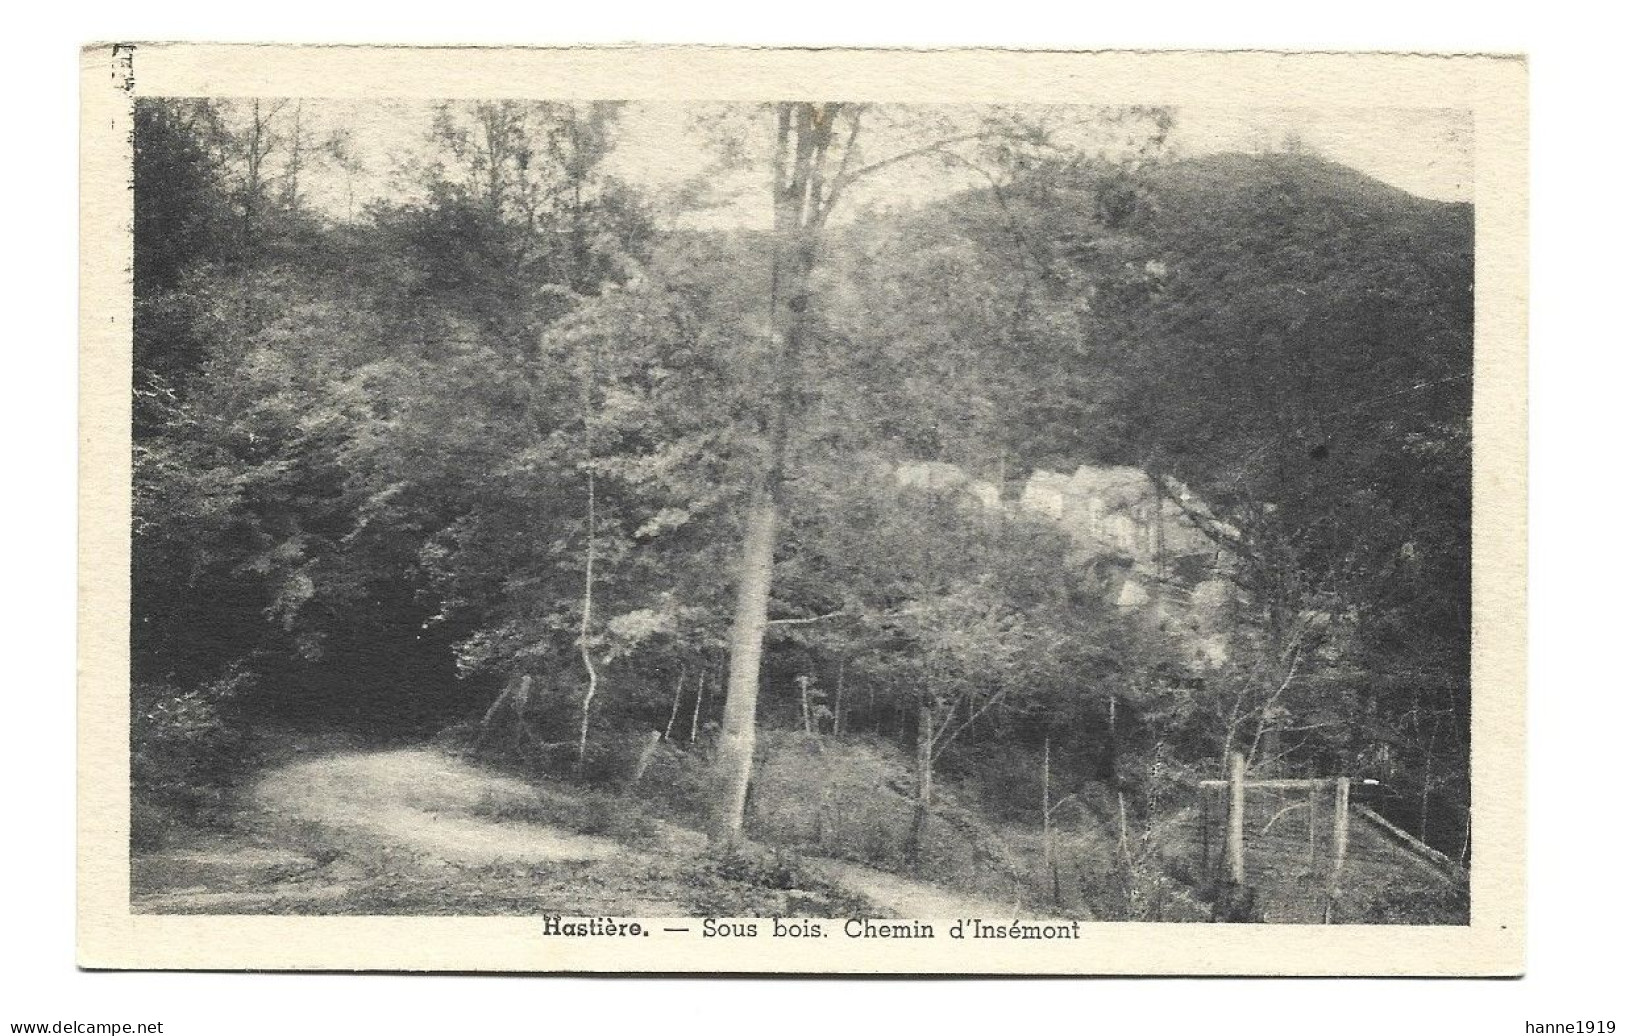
(1208, 525)
(840, 181)
(946, 739)
(1264, 710)
(807, 619)
(903, 156)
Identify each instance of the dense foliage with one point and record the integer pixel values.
(391, 466)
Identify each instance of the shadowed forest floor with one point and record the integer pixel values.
(419, 831)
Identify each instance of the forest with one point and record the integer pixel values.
(904, 508)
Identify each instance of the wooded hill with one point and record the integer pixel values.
(494, 458)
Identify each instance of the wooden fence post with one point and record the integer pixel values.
(1207, 820)
(1314, 793)
(1235, 844)
(1340, 827)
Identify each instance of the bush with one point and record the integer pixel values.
(750, 880)
(847, 798)
(678, 784)
(186, 749)
(763, 868)
(581, 810)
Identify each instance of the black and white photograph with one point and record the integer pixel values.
(854, 523)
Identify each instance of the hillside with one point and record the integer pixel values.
(518, 487)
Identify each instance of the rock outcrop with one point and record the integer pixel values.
(1158, 562)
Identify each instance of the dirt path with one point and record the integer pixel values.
(384, 831)
(415, 830)
(425, 802)
(900, 897)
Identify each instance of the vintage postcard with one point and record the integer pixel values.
(802, 511)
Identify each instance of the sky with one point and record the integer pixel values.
(1427, 152)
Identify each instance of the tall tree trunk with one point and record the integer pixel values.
(805, 683)
(800, 206)
(840, 681)
(588, 408)
(699, 700)
(586, 622)
(737, 747)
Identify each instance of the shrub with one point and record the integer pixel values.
(751, 880)
(762, 868)
(583, 811)
(186, 749)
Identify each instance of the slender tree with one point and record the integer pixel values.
(813, 166)
(806, 186)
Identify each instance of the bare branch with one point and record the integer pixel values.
(807, 619)
(1058, 803)
(903, 156)
(947, 739)
(1264, 710)
(1206, 524)
(840, 180)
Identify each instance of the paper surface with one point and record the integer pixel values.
(1491, 89)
